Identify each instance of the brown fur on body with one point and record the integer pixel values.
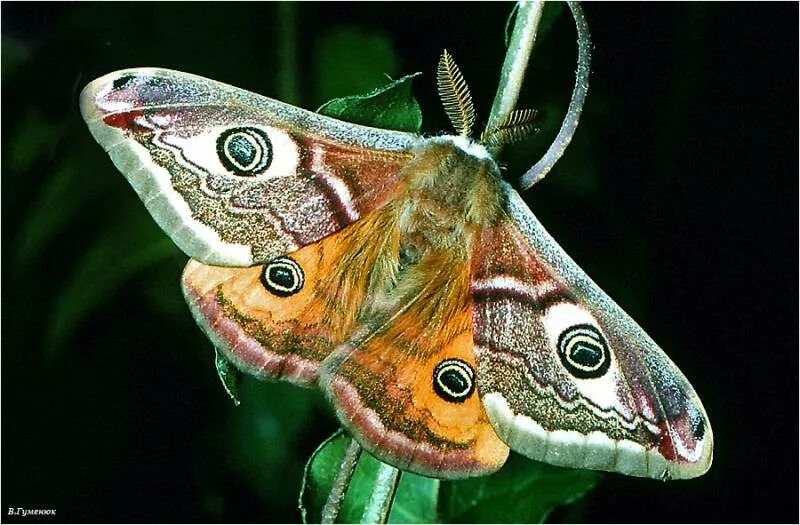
(422, 269)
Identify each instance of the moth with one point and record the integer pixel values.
(400, 275)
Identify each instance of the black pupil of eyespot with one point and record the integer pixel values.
(281, 276)
(245, 152)
(586, 354)
(454, 381)
(243, 149)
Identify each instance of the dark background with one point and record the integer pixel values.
(678, 196)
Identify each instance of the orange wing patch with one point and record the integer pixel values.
(281, 319)
(404, 385)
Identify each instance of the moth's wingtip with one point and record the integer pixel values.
(89, 99)
(701, 465)
(688, 471)
(703, 437)
(89, 104)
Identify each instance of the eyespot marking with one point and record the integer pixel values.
(244, 151)
(282, 277)
(454, 380)
(584, 352)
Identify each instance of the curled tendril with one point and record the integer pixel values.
(570, 123)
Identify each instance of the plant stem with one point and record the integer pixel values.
(515, 64)
(570, 122)
(382, 497)
(513, 72)
(341, 483)
(288, 70)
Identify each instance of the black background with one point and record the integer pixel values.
(678, 196)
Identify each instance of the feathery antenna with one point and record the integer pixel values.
(455, 95)
(518, 125)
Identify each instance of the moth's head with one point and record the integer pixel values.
(471, 147)
(455, 153)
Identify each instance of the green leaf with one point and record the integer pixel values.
(352, 60)
(62, 199)
(127, 245)
(523, 491)
(33, 140)
(229, 375)
(264, 433)
(319, 475)
(389, 107)
(415, 499)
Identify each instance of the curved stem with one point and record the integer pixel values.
(340, 484)
(515, 64)
(288, 70)
(570, 123)
(382, 497)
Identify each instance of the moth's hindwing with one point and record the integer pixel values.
(233, 177)
(565, 375)
(279, 320)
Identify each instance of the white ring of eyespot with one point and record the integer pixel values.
(462, 369)
(578, 335)
(259, 161)
(294, 269)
